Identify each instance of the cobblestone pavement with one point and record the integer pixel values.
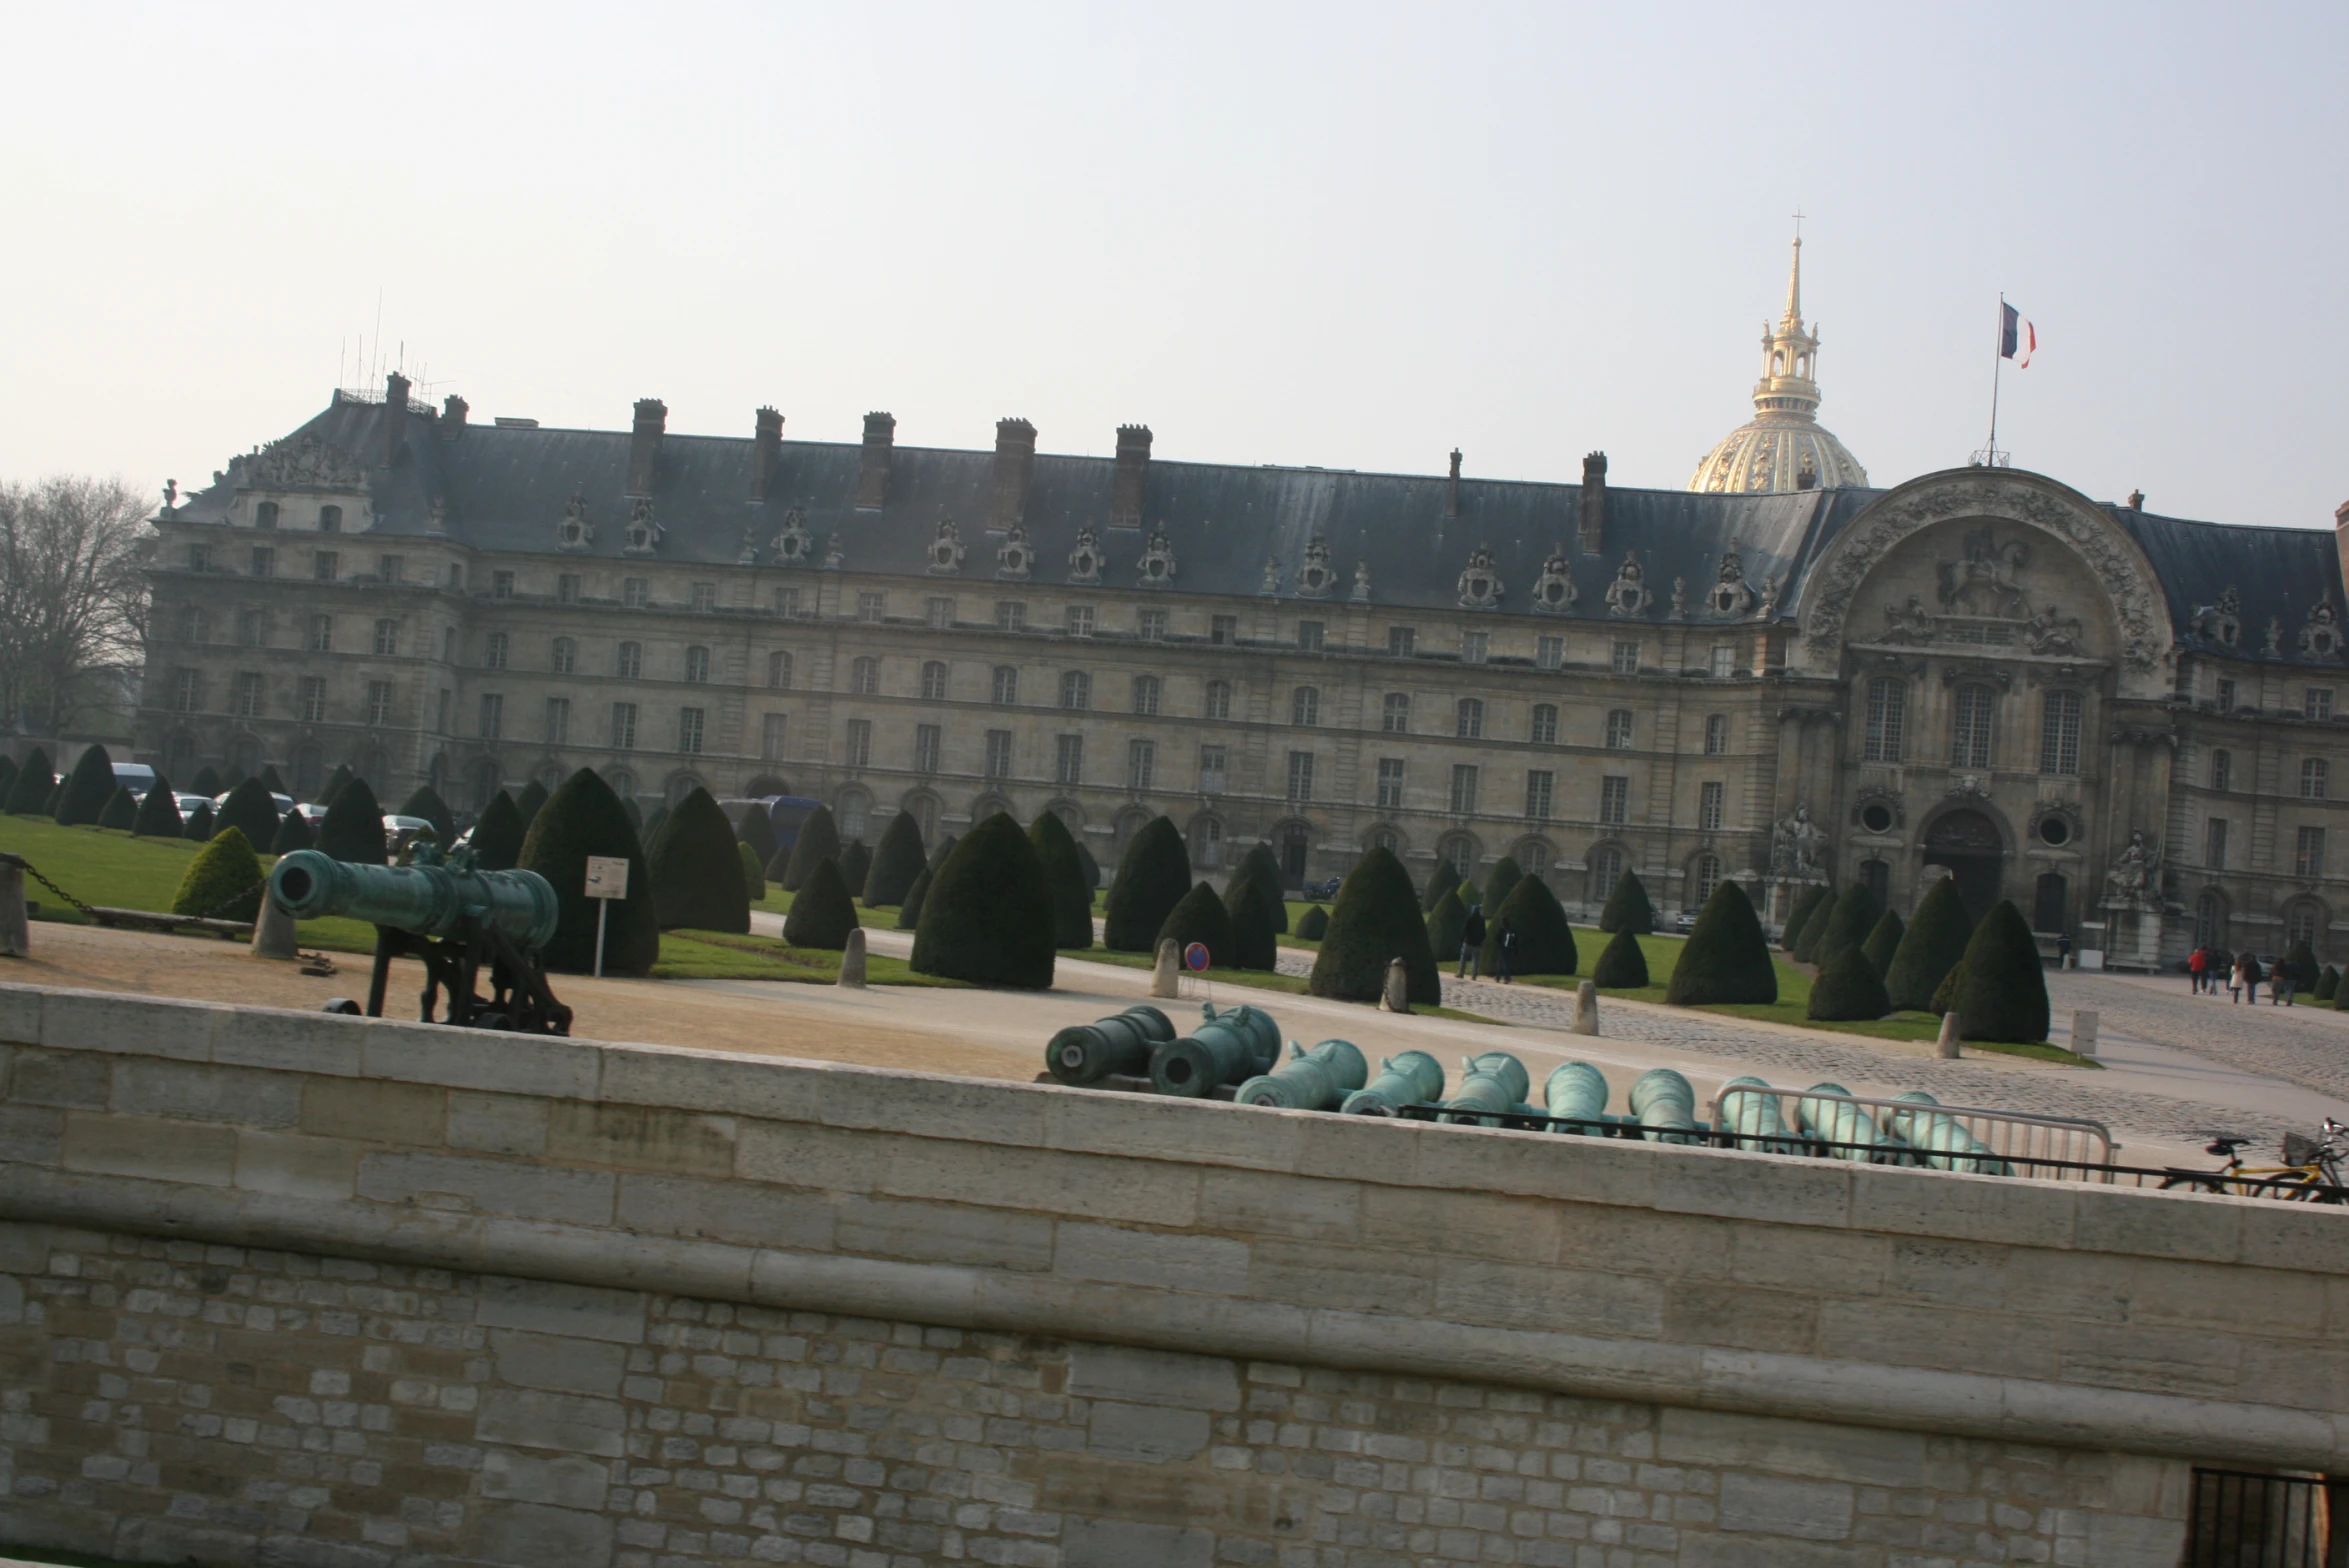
(2307, 1044)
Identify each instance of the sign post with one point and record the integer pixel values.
(607, 879)
(1195, 959)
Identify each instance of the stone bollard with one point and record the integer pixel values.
(2085, 1023)
(852, 960)
(273, 932)
(1947, 1046)
(1586, 1008)
(16, 936)
(1396, 997)
(1166, 974)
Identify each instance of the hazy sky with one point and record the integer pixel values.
(1354, 235)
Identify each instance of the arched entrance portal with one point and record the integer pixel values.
(1973, 849)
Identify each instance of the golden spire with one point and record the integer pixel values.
(1794, 282)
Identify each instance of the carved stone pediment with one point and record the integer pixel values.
(1015, 557)
(643, 534)
(1554, 592)
(946, 550)
(574, 532)
(1316, 577)
(1629, 593)
(1157, 565)
(304, 462)
(2320, 634)
(1084, 561)
(1480, 583)
(794, 545)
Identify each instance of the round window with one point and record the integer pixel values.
(1876, 817)
(2055, 830)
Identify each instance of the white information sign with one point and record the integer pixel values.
(607, 879)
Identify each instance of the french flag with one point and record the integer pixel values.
(2017, 338)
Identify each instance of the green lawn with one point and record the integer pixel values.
(724, 955)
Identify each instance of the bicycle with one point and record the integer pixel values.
(2311, 1171)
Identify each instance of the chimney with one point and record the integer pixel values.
(395, 417)
(1594, 503)
(1133, 467)
(644, 445)
(452, 417)
(872, 476)
(2136, 500)
(1452, 494)
(1015, 465)
(766, 448)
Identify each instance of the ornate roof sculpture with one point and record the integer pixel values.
(1783, 447)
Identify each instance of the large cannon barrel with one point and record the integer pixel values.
(1227, 1047)
(1664, 1105)
(1941, 1141)
(1493, 1083)
(1314, 1080)
(433, 901)
(1755, 1118)
(1087, 1053)
(1825, 1112)
(1577, 1090)
(1408, 1078)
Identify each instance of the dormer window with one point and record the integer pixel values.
(265, 514)
(330, 519)
(643, 532)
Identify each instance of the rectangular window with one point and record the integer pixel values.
(456, 574)
(1309, 635)
(635, 593)
(321, 639)
(1543, 730)
(387, 638)
(1150, 626)
(253, 629)
(391, 568)
(1711, 798)
(1468, 719)
(1300, 776)
(493, 651)
(1390, 783)
(999, 754)
(558, 721)
(859, 751)
(1141, 765)
(440, 720)
(187, 691)
(1540, 785)
(2313, 778)
(245, 697)
(1080, 620)
(689, 726)
(1625, 659)
(1011, 615)
(1223, 628)
(2214, 843)
(1004, 686)
(493, 715)
(1887, 716)
(871, 606)
(938, 614)
(928, 742)
(501, 585)
(1402, 641)
(1394, 714)
(1614, 800)
(199, 558)
(1146, 695)
(2059, 733)
(1068, 759)
(1550, 653)
(312, 703)
(623, 726)
(2226, 696)
(1619, 729)
(1717, 734)
(1463, 789)
(2308, 855)
(1969, 730)
(567, 588)
(772, 729)
(1724, 663)
(1211, 770)
(264, 561)
(2317, 703)
(787, 603)
(379, 703)
(705, 598)
(324, 566)
(1219, 700)
(1475, 647)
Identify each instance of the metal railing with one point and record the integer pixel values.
(2242, 1519)
(2006, 1134)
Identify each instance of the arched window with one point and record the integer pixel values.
(1219, 699)
(1305, 705)
(1004, 690)
(265, 514)
(864, 677)
(1458, 852)
(934, 680)
(2313, 774)
(1543, 729)
(1619, 729)
(566, 656)
(1716, 734)
(1468, 719)
(330, 519)
(697, 664)
(1076, 689)
(2059, 733)
(2210, 920)
(1532, 857)
(630, 664)
(779, 670)
(1394, 715)
(1888, 703)
(2222, 769)
(1969, 726)
(622, 781)
(1387, 839)
(1606, 869)
(1705, 876)
(1146, 694)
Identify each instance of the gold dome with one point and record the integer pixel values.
(1783, 447)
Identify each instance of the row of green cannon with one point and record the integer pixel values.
(1240, 1047)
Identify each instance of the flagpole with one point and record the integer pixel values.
(1997, 363)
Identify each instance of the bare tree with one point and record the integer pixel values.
(73, 598)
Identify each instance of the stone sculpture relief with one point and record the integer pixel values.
(1361, 582)
(2320, 634)
(1629, 594)
(946, 550)
(1316, 577)
(1480, 584)
(2134, 882)
(1730, 595)
(1015, 557)
(794, 544)
(1272, 576)
(2221, 622)
(1554, 590)
(1157, 564)
(574, 532)
(1982, 581)
(1084, 562)
(304, 462)
(1798, 846)
(1908, 623)
(2051, 632)
(644, 530)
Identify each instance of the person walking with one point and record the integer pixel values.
(2198, 969)
(1471, 942)
(1505, 938)
(2248, 974)
(2282, 984)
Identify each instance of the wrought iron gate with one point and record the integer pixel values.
(2246, 1520)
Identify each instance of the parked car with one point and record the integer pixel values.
(1685, 921)
(1317, 891)
(285, 803)
(188, 803)
(399, 832)
(136, 777)
(312, 813)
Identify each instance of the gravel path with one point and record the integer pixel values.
(2307, 1045)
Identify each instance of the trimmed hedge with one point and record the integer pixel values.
(987, 916)
(335, 782)
(2341, 996)
(1856, 914)
(649, 826)
(251, 812)
(293, 833)
(1725, 959)
(222, 882)
(1799, 916)
(1623, 966)
(2001, 994)
(159, 812)
(272, 780)
(426, 803)
(1628, 909)
(122, 809)
(87, 789)
(819, 839)
(944, 848)
(2299, 961)
(198, 828)
(498, 835)
(1814, 926)
(1092, 867)
(1200, 917)
(1442, 877)
(909, 908)
(754, 878)
(1374, 920)
(530, 802)
(1255, 944)
(756, 828)
(1501, 881)
(1259, 866)
(1152, 877)
(2328, 985)
(1313, 923)
(896, 861)
(696, 870)
(822, 914)
(7, 779)
(1445, 923)
(1884, 943)
(856, 863)
(353, 828)
(1848, 989)
(29, 794)
(1064, 880)
(585, 818)
(1935, 941)
(1545, 942)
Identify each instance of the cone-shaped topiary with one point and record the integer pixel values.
(1848, 989)
(585, 818)
(199, 824)
(819, 839)
(1814, 926)
(1726, 958)
(2299, 961)
(1934, 942)
(121, 810)
(987, 916)
(822, 914)
(1884, 942)
(2328, 985)
(207, 782)
(1856, 914)
(899, 859)
(909, 909)
(1442, 877)
(776, 865)
(1313, 923)
(2341, 995)
(650, 827)
(1092, 867)
(1064, 880)
(696, 870)
(35, 780)
(251, 812)
(1545, 942)
(1628, 908)
(1255, 945)
(1375, 920)
(1799, 916)
(426, 803)
(1199, 916)
(159, 812)
(498, 835)
(944, 847)
(856, 864)
(56, 796)
(222, 882)
(1152, 877)
(1445, 922)
(631, 810)
(1260, 867)
(1500, 882)
(87, 789)
(1624, 965)
(7, 779)
(754, 876)
(335, 781)
(2001, 993)
(230, 777)
(272, 781)
(353, 828)
(293, 832)
(755, 826)
(528, 804)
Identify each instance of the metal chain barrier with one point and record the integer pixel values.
(230, 902)
(34, 872)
